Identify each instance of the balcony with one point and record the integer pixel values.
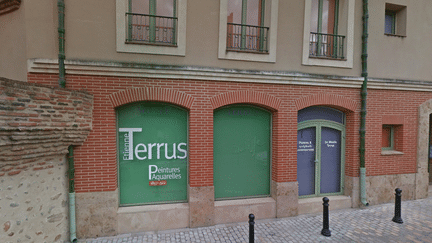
(327, 46)
(151, 29)
(247, 38)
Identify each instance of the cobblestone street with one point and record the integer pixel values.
(372, 224)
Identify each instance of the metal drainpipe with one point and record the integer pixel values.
(72, 219)
(62, 84)
(363, 105)
(61, 40)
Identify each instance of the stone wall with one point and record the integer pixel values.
(37, 125)
(33, 204)
(381, 189)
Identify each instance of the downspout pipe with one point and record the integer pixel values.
(363, 94)
(72, 219)
(62, 84)
(61, 40)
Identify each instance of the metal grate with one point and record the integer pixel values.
(326, 45)
(247, 38)
(151, 29)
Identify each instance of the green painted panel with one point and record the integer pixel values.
(241, 152)
(152, 149)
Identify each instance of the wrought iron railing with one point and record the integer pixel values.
(326, 45)
(151, 29)
(242, 37)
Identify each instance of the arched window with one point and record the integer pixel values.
(152, 153)
(320, 151)
(242, 152)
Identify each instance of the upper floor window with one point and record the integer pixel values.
(328, 37)
(152, 21)
(390, 23)
(151, 26)
(245, 26)
(395, 20)
(324, 38)
(248, 30)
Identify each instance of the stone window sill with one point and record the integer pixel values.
(149, 43)
(250, 51)
(395, 35)
(328, 58)
(391, 152)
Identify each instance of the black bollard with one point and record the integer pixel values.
(397, 217)
(251, 228)
(326, 231)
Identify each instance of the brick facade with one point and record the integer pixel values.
(96, 163)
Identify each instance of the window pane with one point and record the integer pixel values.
(165, 8)
(140, 6)
(234, 11)
(314, 16)
(320, 112)
(386, 137)
(325, 17)
(253, 12)
(389, 22)
(328, 16)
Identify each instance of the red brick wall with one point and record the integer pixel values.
(399, 108)
(38, 123)
(96, 166)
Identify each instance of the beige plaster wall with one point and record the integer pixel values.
(13, 62)
(29, 32)
(41, 28)
(91, 35)
(396, 57)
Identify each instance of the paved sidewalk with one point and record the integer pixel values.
(372, 224)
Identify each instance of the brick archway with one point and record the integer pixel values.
(151, 94)
(246, 96)
(327, 100)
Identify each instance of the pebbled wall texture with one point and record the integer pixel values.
(37, 125)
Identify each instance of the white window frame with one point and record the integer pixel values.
(257, 57)
(179, 50)
(349, 18)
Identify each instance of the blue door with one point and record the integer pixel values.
(306, 153)
(330, 161)
(320, 151)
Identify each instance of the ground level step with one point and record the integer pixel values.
(314, 204)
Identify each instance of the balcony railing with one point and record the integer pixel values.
(151, 29)
(242, 37)
(326, 45)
